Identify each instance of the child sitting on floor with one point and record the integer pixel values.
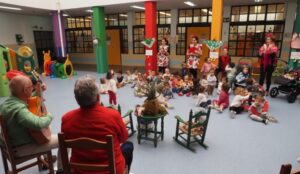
(120, 79)
(211, 82)
(128, 78)
(231, 72)
(204, 82)
(167, 92)
(237, 104)
(103, 88)
(223, 80)
(167, 73)
(202, 100)
(259, 109)
(187, 86)
(207, 67)
(223, 101)
(141, 87)
(240, 79)
(179, 84)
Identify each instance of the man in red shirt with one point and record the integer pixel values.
(95, 121)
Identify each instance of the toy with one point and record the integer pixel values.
(25, 60)
(47, 63)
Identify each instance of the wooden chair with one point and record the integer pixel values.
(8, 155)
(127, 119)
(195, 128)
(144, 132)
(87, 144)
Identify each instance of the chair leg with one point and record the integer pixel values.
(162, 128)
(139, 132)
(5, 164)
(40, 163)
(50, 162)
(131, 125)
(155, 133)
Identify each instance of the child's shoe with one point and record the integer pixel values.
(188, 94)
(180, 94)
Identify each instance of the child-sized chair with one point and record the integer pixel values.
(195, 128)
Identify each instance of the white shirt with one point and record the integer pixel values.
(112, 85)
(200, 99)
(211, 80)
(238, 100)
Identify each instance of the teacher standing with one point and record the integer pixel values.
(163, 56)
(268, 61)
(193, 54)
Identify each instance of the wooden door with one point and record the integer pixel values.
(203, 33)
(113, 46)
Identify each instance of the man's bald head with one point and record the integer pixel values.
(18, 86)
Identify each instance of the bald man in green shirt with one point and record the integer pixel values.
(19, 120)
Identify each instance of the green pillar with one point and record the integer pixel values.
(100, 34)
(292, 63)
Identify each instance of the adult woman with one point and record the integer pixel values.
(224, 60)
(268, 61)
(163, 56)
(193, 54)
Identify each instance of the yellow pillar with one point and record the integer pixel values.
(216, 24)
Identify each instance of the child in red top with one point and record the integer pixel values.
(259, 109)
(223, 101)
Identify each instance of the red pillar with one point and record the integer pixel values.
(151, 28)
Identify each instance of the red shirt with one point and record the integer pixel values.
(96, 123)
(224, 61)
(223, 99)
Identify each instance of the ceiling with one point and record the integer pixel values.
(125, 7)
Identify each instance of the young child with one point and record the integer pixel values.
(207, 67)
(211, 82)
(141, 87)
(112, 88)
(223, 80)
(167, 73)
(242, 77)
(187, 86)
(103, 87)
(237, 104)
(184, 69)
(128, 78)
(202, 100)
(223, 101)
(167, 92)
(120, 79)
(231, 72)
(203, 82)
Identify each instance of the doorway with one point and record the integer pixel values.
(203, 33)
(114, 47)
(43, 42)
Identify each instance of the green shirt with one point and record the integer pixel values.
(19, 120)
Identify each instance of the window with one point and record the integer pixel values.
(114, 20)
(164, 17)
(79, 35)
(197, 15)
(138, 36)
(250, 24)
(181, 44)
(139, 18)
(124, 39)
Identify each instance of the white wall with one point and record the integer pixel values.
(12, 24)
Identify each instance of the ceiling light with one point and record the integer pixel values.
(164, 13)
(189, 3)
(138, 7)
(123, 15)
(10, 8)
(258, 0)
(90, 11)
(65, 15)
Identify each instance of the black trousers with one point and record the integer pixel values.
(266, 74)
(161, 69)
(127, 150)
(194, 72)
(236, 109)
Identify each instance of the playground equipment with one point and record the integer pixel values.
(4, 65)
(61, 69)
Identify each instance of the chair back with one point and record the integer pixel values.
(285, 169)
(87, 144)
(6, 148)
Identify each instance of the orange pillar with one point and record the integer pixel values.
(151, 29)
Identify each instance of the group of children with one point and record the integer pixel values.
(249, 95)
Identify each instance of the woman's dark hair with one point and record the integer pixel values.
(109, 75)
(195, 37)
(166, 40)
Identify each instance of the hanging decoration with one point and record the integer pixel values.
(212, 45)
(148, 42)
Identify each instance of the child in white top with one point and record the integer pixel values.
(112, 89)
(204, 82)
(211, 80)
(231, 71)
(237, 104)
(202, 100)
(223, 80)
